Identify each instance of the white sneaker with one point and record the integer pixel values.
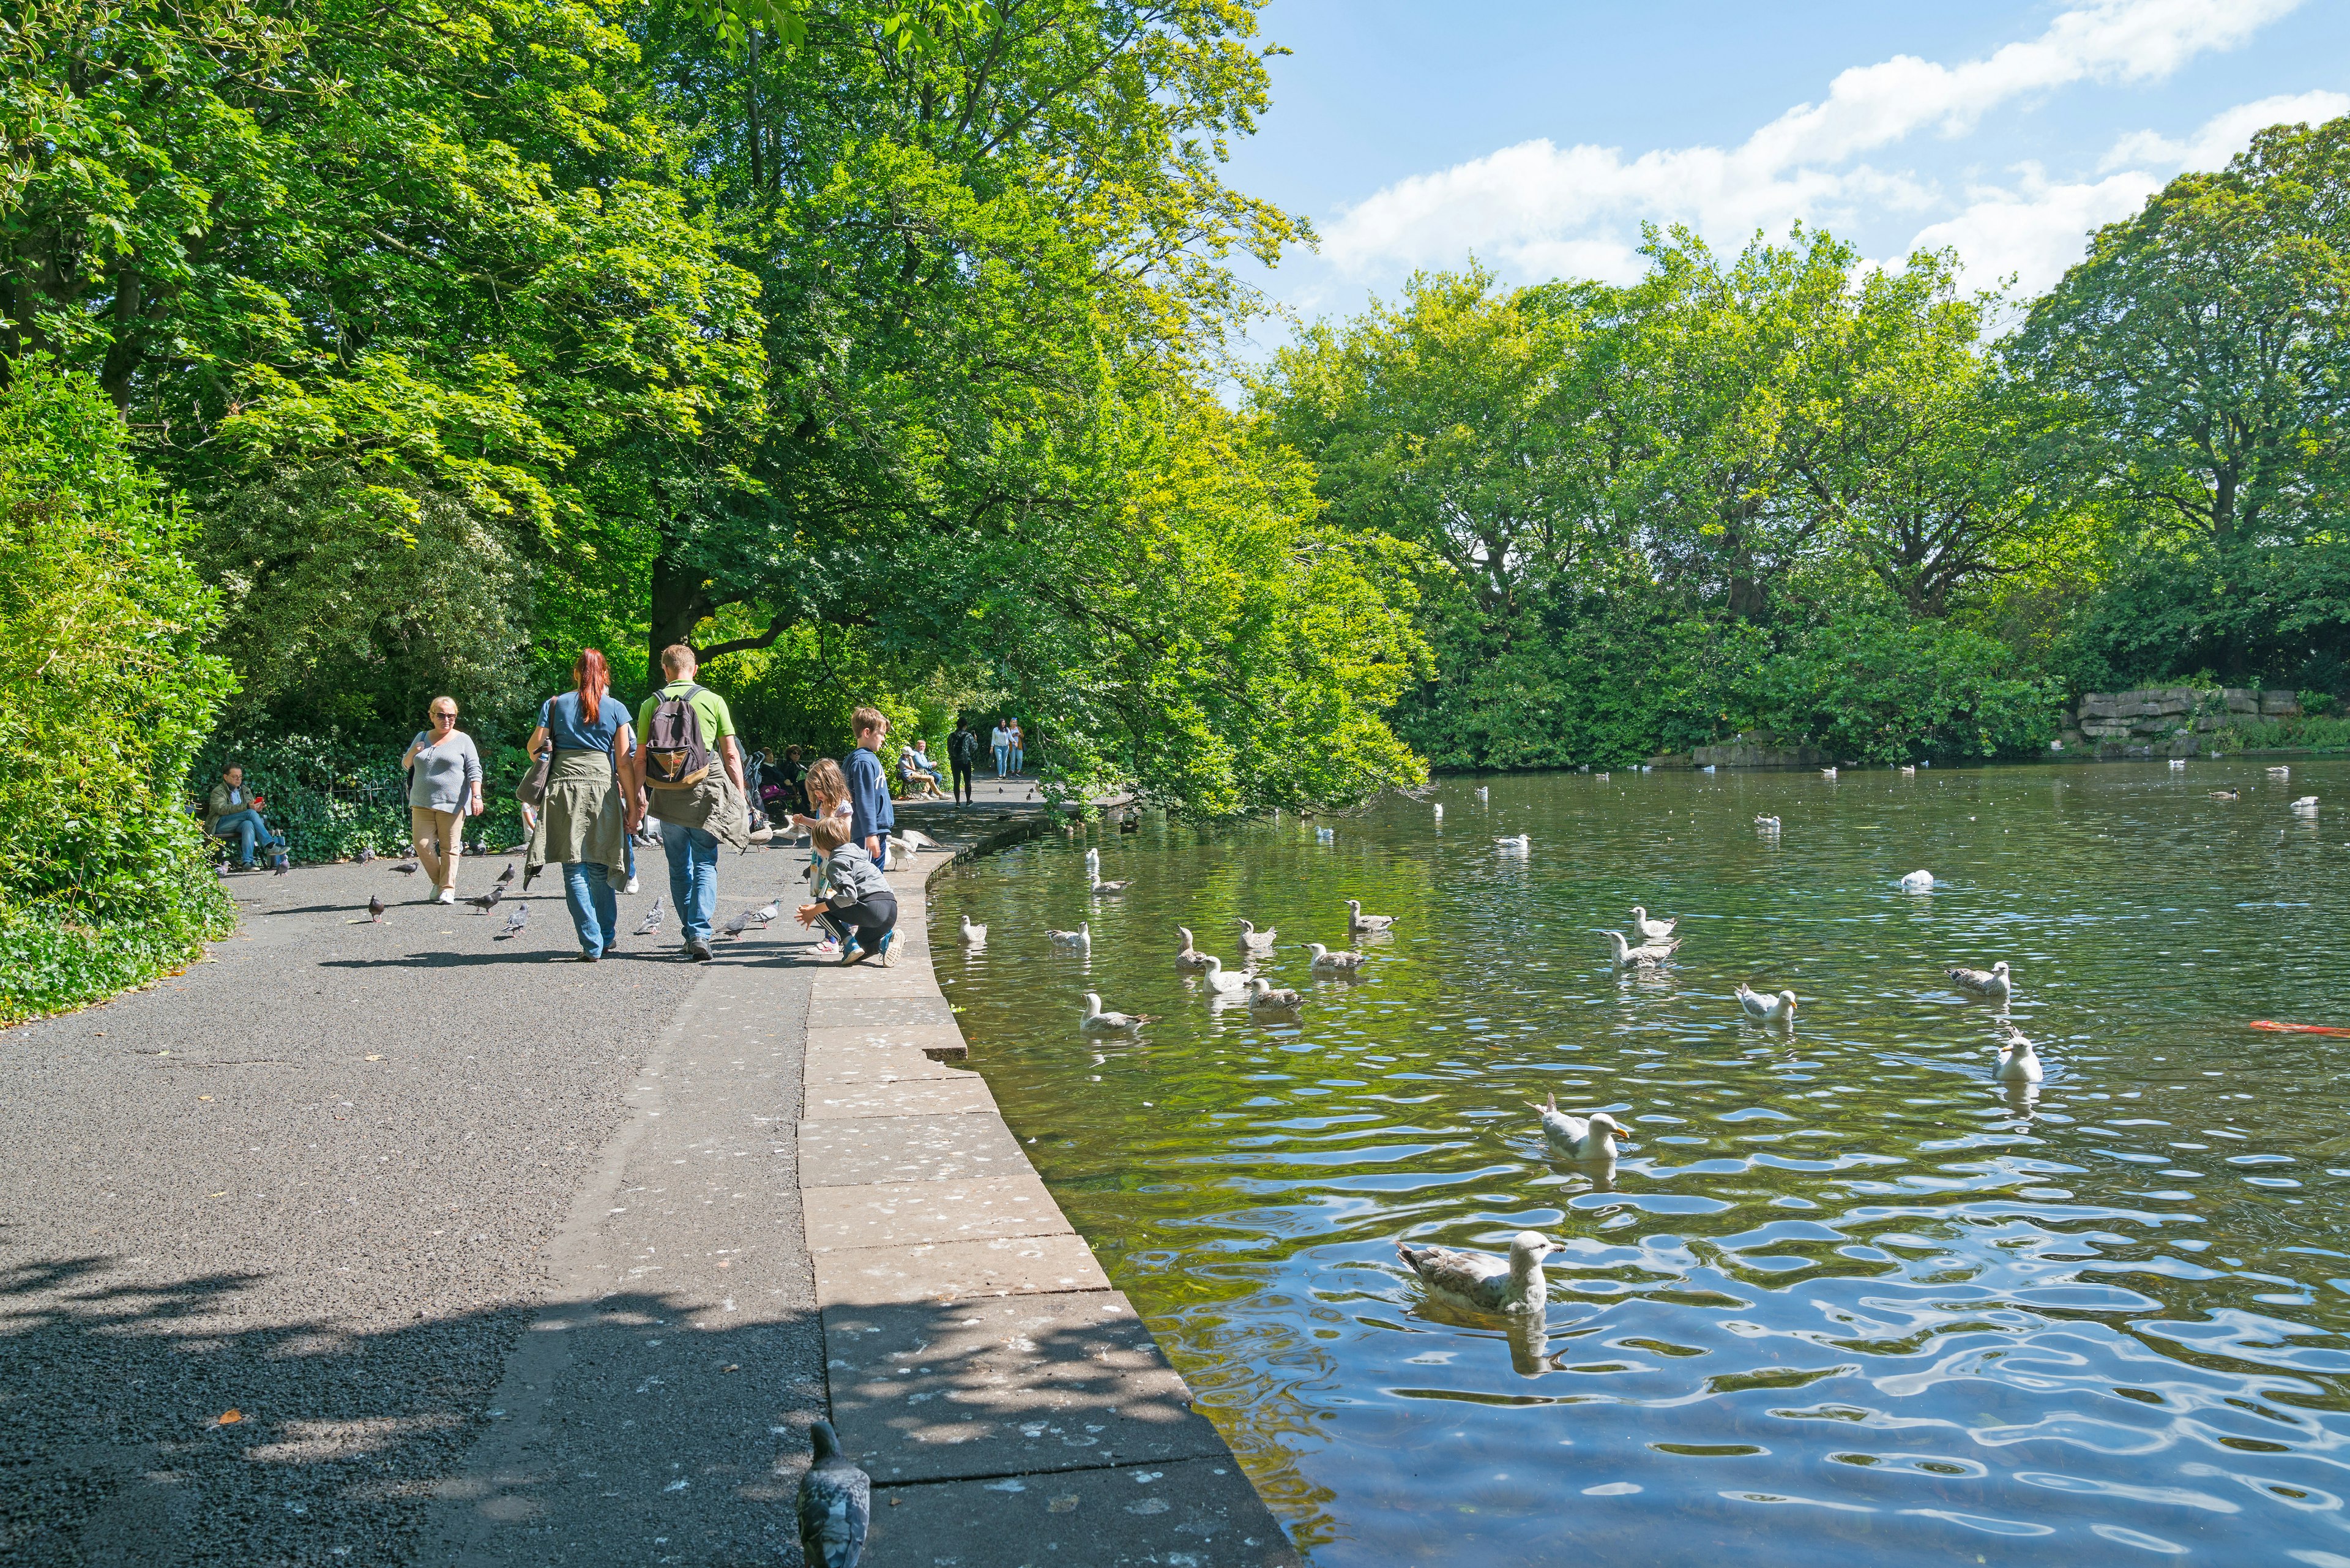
(448, 896)
(631, 887)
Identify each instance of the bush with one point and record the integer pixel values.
(2303, 734)
(105, 694)
(332, 797)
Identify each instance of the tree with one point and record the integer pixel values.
(2201, 352)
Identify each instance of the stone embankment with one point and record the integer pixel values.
(1007, 1400)
(2169, 722)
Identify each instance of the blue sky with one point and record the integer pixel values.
(1539, 136)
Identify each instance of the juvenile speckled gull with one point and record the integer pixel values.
(1578, 1138)
(1479, 1281)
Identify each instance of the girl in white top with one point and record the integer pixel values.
(1001, 739)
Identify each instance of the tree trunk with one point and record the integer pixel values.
(2223, 506)
(681, 598)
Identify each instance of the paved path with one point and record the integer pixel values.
(502, 1260)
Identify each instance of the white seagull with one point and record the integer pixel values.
(1218, 981)
(2307, 805)
(1767, 823)
(1780, 1009)
(1646, 956)
(1093, 877)
(1345, 962)
(972, 936)
(1358, 921)
(2280, 772)
(2018, 1063)
(1519, 844)
(1083, 937)
(1993, 981)
(1479, 1281)
(1266, 997)
(1439, 811)
(1652, 931)
(1096, 1021)
(1828, 773)
(1576, 1138)
(1918, 881)
(2179, 765)
(1254, 941)
(1190, 958)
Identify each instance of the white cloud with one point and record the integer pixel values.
(2034, 231)
(1537, 207)
(2225, 134)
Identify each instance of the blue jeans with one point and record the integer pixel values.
(693, 878)
(1002, 753)
(247, 828)
(1018, 758)
(595, 913)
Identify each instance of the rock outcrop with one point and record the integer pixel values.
(2170, 721)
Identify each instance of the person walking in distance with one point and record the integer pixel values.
(1019, 747)
(1001, 739)
(582, 822)
(690, 772)
(962, 755)
(444, 791)
(871, 817)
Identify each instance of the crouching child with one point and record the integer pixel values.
(858, 906)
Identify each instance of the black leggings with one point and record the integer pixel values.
(866, 922)
(962, 783)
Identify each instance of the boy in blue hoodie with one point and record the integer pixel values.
(871, 817)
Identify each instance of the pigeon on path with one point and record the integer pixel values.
(652, 920)
(488, 900)
(767, 915)
(737, 926)
(505, 876)
(835, 1505)
(375, 908)
(514, 923)
(367, 852)
(406, 868)
(285, 863)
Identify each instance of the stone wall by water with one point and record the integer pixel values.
(2169, 720)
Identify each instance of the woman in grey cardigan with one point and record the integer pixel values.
(445, 789)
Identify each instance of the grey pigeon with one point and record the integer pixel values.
(652, 921)
(514, 922)
(767, 917)
(505, 876)
(488, 900)
(738, 925)
(285, 863)
(836, 1504)
(375, 908)
(367, 852)
(406, 868)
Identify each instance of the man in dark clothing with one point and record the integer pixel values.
(871, 817)
(962, 755)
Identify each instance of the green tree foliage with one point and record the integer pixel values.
(105, 692)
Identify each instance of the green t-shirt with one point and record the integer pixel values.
(716, 722)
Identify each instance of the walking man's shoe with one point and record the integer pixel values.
(697, 950)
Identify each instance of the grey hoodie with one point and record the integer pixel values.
(851, 877)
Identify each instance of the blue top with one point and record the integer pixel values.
(868, 796)
(560, 717)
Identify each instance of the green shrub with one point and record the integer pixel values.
(2309, 735)
(105, 693)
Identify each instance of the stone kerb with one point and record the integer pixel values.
(1006, 1399)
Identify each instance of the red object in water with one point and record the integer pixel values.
(2299, 1028)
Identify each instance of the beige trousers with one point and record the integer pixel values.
(445, 827)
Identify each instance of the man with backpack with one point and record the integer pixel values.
(691, 766)
(962, 755)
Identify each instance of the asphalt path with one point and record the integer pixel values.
(307, 1251)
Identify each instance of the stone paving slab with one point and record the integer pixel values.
(1011, 1388)
(859, 1150)
(911, 1213)
(956, 1271)
(899, 1098)
(862, 1012)
(943, 1041)
(1200, 1513)
(877, 1066)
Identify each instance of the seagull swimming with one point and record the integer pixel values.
(1479, 1281)
(2306, 804)
(972, 936)
(2280, 772)
(1212, 972)
(1345, 962)
(1992, 981)
(1767, 823)
(1908, 773)
(1439, 811)
(1358, 921)
(1192, 958)
(1646, 956)
(1326, 836)
(1267, 997)
(1918, 881)
(1522, 843)
(2179, 765)
(1576, 1137)
(1828, 773)
(2018, 1063)
(2224, 793)
(1652, 931)
(1093, 877)
(1481, 792)
(1763, 1009)
(1254, 941)
(1083, 937)
(1098, 1021)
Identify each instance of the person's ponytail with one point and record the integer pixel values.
(593, 676)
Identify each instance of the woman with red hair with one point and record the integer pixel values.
(583, 821)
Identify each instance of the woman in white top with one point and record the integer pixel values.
(1001, 739)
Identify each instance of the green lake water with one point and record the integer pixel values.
(1845, 1299)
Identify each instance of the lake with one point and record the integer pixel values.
(1843, 1298)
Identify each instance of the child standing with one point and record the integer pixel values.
(858, 906)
